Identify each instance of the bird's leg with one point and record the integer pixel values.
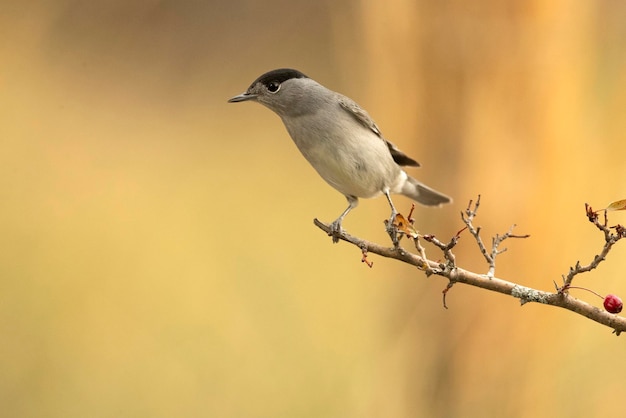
(391, 227)
(335, 227)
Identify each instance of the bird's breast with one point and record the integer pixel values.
(351, 158)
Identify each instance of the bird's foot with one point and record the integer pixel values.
(392, 229)
(335, 231)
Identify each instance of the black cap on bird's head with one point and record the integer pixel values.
(270, 81)
(280, 75)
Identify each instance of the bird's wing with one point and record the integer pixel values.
(364, 118)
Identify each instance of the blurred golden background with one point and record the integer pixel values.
(158, 257)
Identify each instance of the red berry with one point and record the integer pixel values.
(613, 304)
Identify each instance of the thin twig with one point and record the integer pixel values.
(456, 274)
(364, 259)
(468, 218)
(610, 239)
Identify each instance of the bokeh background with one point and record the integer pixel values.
(157, 251)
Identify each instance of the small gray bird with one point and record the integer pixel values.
(341, 141)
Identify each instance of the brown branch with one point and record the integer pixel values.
(456, 274)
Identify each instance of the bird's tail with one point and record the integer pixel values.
(423, 194)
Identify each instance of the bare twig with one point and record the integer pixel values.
(398, 253)
(456, 274)
(610, 239)
(364, 259)
(468, 218)
(449, 256)
(422, 253)
(445, 293)
(446, 248)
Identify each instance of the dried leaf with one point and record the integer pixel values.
(403, 225)
(617, 205)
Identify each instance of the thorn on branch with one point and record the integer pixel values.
(445, 292)
(364, 259)
(410, 217)
(458, 234)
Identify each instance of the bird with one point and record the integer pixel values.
(341, 141)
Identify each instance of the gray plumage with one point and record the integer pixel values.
(340, 140)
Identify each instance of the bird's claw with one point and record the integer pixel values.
(392, 229)
(335, 231)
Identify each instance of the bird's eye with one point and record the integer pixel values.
(273, 86)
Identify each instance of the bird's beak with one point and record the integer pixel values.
(242, 97)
